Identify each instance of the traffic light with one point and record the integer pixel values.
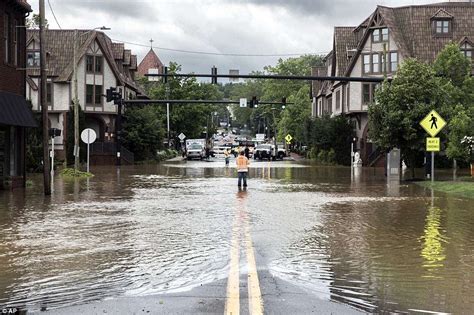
(253, 102)
(165, 72)
(112, 95)
(283, 101)
(214, 74)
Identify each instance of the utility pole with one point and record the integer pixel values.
(44, 106)
(76, 107)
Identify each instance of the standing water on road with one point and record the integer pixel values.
(146, 230)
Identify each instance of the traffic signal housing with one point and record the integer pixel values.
(165, 72)
(253, 102)
(112, 95)
(214, 75)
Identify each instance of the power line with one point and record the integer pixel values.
(219, 54)
(54, 15)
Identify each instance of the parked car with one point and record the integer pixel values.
(196, 151)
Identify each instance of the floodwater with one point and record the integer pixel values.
(345, 235)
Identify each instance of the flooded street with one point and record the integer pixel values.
(154, 229)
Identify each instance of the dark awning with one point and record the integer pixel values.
(14, 111)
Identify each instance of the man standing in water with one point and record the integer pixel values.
(242, 168)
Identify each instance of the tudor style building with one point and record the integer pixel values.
(100, 64)
(15, 114)
(376, 47)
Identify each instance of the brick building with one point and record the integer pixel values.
(15, 114)
(150, 64)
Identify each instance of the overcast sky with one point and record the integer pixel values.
(217, 26)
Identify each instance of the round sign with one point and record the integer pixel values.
(88, 136)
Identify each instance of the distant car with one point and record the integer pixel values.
(196, 151)
(263, 151)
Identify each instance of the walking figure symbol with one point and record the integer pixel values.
(433, 121)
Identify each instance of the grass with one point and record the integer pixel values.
(461, 188)
(72, 173)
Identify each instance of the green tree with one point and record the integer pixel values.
(190, 119)
(455, 72)
(143, 132)
(400, 105)
(33, 22)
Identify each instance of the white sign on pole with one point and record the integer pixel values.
(243, 102)
(181, 136)
(88, 136)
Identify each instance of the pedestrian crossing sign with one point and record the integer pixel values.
(288, 138)
(433, 123)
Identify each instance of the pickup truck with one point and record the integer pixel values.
(195, 151)
(267, 151)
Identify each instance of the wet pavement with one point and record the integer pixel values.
(180, 237)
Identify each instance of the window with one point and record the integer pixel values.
(93, 94)
(376, 36)
(49, 92)
(366, 63)
(368, 93)
(94, 64)
(89, 93)
(33, 59)
(442, 27)
(98, 95)
(393, 61)
(467, 50)
(384, 34)
(380, 35)
(98, 64)
(15, 43)
(338, 100)
(329, 106)
(89, 63)
(7, 37)
(375, 63)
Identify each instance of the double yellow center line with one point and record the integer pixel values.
(241, 226)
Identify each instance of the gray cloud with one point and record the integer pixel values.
(225, 26)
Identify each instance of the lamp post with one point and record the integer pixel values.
(76, 98)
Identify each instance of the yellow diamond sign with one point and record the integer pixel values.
(433, 123)
(288, 138)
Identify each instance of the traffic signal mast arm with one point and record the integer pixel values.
(214, 77)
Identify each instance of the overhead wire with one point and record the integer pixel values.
(217, 53)
(54, 15)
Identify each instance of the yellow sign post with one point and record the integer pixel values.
(433, 123)
(288, 138)
(432, 144)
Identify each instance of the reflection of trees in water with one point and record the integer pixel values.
(433, 251)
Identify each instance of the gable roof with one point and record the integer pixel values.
(150, 61)
(411, 28)
(60, 53)
(344, 39)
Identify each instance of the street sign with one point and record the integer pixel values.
(88, 136)
(433, 123)
(243, 102)
(288, 138)
(181, 136)
(432, 144)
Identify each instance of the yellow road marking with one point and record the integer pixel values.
(255, 296)
(232, 303)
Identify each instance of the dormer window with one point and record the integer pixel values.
(442, 27)
(380, 35)
(467, 49)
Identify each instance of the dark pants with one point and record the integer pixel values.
(242, 176)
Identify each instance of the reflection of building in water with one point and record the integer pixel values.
(433, 251)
